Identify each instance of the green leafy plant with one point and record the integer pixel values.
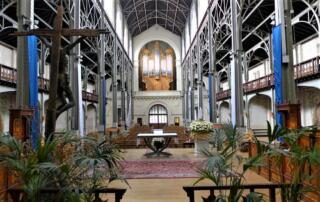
(297, 157)
(67, 163)
(225, 168)
(288, 149)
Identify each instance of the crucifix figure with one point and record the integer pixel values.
(64, 93)
(59, 79)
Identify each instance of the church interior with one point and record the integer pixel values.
(159, 100)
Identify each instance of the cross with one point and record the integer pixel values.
(56, 34)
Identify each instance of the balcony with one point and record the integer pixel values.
(304, 71)
(8, 77)
(91, 97)
(223, 94)
(307, 70)
(259, 84)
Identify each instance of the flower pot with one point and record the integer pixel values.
(200, 145)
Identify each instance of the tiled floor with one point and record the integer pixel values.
(165, 190)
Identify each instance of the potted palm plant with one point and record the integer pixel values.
(200, 132)
(75, 166)
(289, 161)
(293, 161)
(227, 167)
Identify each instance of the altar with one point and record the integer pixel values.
(157, 141)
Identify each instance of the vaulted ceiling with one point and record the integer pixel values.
(142, 14)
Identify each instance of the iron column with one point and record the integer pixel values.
(25, 20)
(123, 91)
(236, 67)
(102, 79)
(199, 83)
(212, 69)
(115, 84)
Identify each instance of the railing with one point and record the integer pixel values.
(91, 97)
(308, 68)
(304, 70)
(190, 190)
(16, 194)
(258, 84)
(9, 76)
(223, 94)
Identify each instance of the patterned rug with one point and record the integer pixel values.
(160, 168)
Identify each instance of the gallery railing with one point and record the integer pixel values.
(190, 190)
(309, 69)
(259, 84)
(8, 76)
(90, 96)
(223, 94)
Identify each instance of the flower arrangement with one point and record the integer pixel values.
(200, 129)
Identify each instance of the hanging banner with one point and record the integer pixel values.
(33, 91)
(277, 61)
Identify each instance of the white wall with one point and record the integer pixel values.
(187, 35)
(109, 6)
(259, 70)
(156, 32)
(169, 99)
(126, 38)
(119, 21)
(306, 50)
(193, 20)
(202, 9)
(225, 85)
(8, 56)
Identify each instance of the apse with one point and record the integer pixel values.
(157, 67)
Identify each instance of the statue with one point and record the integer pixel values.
(59, 79)
(64, 93)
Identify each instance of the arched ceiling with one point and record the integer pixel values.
(142, 14)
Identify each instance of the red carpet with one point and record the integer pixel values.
(160, 168)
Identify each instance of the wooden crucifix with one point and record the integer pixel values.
(59, 82)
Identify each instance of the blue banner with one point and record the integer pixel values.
(277, 61)
(33, 84)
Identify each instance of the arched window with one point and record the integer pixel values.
(158, 116)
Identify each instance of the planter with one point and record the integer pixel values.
(201, 142)
(200, 145)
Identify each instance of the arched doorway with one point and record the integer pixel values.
(158, 116)
(224, 112)
(91, 123)
(7, 100)
(259, 111)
